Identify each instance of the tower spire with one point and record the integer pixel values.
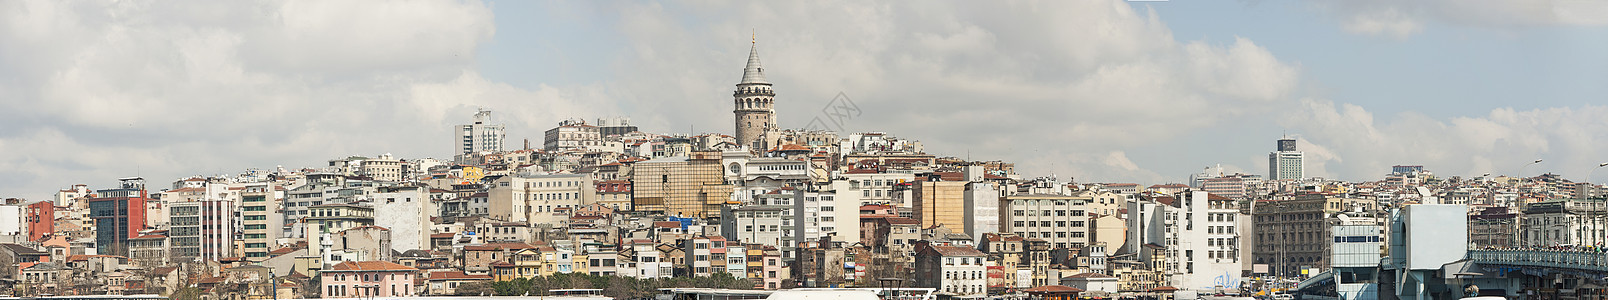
(754, 73)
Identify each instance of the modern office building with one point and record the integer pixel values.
(1286, 162)
(118, 215)
(203, 230)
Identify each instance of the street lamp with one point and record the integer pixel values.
(1521, 169)
(1591, 192)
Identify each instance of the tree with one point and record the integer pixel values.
(476, 289)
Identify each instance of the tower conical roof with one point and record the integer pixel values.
(753, 73)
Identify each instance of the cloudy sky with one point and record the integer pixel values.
(1101, 91)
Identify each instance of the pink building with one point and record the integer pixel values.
(354, 279)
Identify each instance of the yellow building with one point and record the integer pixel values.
(939, 202)
(534, 262)
(690, 186)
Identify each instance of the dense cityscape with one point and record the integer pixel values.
(855, 150)
(602, 205)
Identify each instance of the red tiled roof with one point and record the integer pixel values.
(369, 226)
(163, 270)
(667, 224)
(371, 266)
(282, 251)
(441, 236)
(82, 257)
(790, 147)
(903, 221)
(950, 176)
(957, 251)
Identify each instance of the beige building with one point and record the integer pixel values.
(261, 220)
(691, 186)
(1108, 230)
(1106, 203)
(1063, 221)
(540, 199)
(383, 168)
(939, 202)
(1293, 234)
(572, 134)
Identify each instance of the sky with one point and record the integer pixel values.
(1092, 91)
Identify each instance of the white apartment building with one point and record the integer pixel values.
(572, 134)
(481, 136)
(959, 270)
(826, 213)
(1060, 220)
(982, 204)
(877, 187)
(1204, 241)
(406, 211)
(383, 168)
(758, 224)
(647, 262)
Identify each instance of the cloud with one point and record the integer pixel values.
(1390, 22)
(1400, 19)
(1501, 142)
(1014, 81)
(101, 90)
(167, 90)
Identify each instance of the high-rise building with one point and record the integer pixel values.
(480, 136)
(203, 230)
(752, 102)
(118, 214)
(1286, 162)
(262, 221)
(615, 126)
